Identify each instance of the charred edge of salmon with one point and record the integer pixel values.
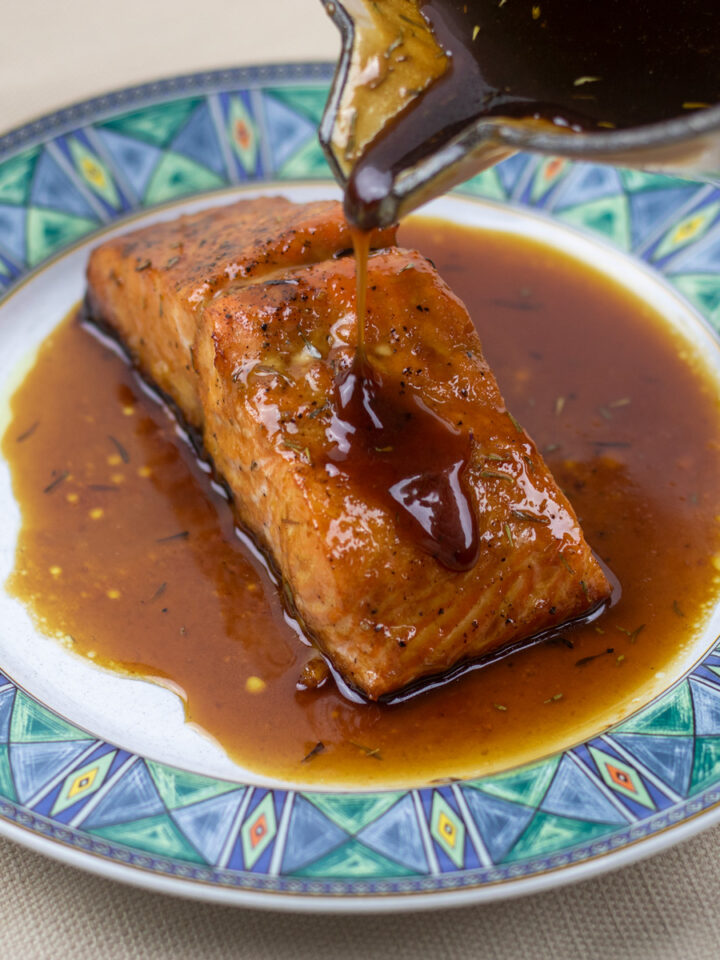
(461, 667)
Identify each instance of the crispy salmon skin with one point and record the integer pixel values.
(244, 315)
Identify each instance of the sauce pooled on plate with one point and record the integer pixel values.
(129, 553)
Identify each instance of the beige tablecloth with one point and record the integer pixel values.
(52, 53)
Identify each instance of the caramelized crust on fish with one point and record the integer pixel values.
(244, 316)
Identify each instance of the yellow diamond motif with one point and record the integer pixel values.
(687, 229)
(82, 783)
(448, 830)
(93, 173)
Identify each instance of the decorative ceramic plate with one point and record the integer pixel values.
(134, 793)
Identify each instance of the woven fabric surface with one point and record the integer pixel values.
(660, 909)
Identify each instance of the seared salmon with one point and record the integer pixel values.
(244, 316)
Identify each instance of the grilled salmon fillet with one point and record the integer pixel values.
(244, 316)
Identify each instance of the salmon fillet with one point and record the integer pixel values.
(244, 316)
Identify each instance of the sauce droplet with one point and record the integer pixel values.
(407, 458)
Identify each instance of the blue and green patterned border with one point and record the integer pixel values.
(70, 174)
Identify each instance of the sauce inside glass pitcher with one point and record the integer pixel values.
(565, 64)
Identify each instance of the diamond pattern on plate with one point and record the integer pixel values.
(622, 778)
(448, 829)
(83, 783)
(258, 831)
(207, 824)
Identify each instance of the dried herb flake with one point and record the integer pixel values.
(529, 517)
(368, 751)
(584, 661)
(632, 635)
(55, 483)
(28, 433)
(124, 455)
(497, 475)
(318, 748)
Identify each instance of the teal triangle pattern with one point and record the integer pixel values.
(287, 130)
(672, 714)
(548, 834)
(396, 835)
(706, 701)
(499, 822)
(307, 101)
(157, 835)
(133, 796)
(670, 758)
(53, 189)
(608, 216)
(7, 784)
(486, 184)
(651, 208)
(351, 812)
(198, 140)
(635, 181)
(354, 859)
(311, 835)
(12, 230)
(135, 159)
(157, 125)
(702, 290)
(16, 177)
(574, 794)
(207, 824)
(7, 700)
(706, 764)
(588, 182)
(31, 723)
(178, 176)
(49, 231)
(308, 163)
(35, 764)
(526, 785)
(179, 788)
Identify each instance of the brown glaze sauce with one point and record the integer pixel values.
(580, 66)
(129, 553)
(400, 453)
